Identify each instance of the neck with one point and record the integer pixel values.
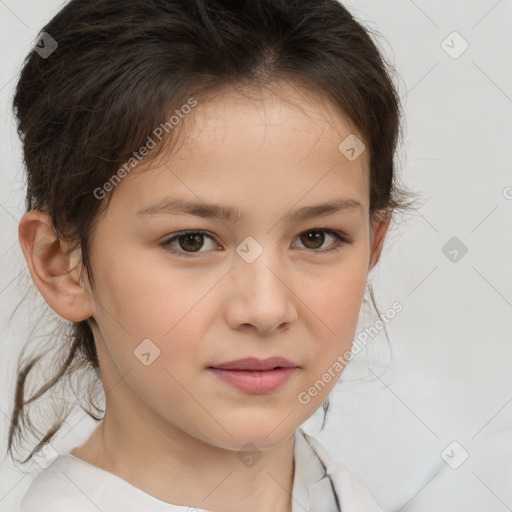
(149, 452)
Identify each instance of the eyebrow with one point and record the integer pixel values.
(233, 215)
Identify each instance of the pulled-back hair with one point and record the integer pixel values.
(121, 68)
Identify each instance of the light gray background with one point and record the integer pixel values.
(449, 377)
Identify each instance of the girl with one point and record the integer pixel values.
(209, 184)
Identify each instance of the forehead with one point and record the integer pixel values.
(281, 108)
(239, 141)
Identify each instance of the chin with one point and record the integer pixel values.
(265, 434)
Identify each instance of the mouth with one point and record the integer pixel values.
(253, 363)
(255, 375)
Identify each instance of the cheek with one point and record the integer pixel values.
(341, 306)
(148, 323)
(336, 302)
(335, 297)
(138, 301)
(145, 292)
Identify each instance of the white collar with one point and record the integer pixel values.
(312, 486)
(320, 484)
(350, 492)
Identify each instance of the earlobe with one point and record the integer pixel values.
(55, 272)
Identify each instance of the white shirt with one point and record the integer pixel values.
(321, 484)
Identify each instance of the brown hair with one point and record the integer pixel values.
(121, 67)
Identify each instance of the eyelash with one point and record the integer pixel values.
(340, 241)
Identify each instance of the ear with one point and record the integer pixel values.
(380, 228)
(54, 270)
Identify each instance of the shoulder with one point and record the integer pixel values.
(53, 489)
(352, 493)
(71, 484)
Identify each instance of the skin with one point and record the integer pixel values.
(172, 421)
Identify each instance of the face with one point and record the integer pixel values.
(266, 281)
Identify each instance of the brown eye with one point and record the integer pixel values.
(313, 239)
(188, 243)
(191, 241)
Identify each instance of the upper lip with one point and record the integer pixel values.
(253, 363)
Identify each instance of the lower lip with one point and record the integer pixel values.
(254, 381)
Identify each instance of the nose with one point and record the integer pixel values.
(261, 296)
